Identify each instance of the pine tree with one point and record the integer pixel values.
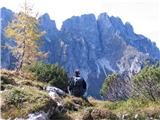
(147, 82)
(24, 30)
(109, 81)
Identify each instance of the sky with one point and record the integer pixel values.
(144, 15)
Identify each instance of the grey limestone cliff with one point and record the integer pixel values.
(97, 47)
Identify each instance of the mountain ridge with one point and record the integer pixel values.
(97, 47)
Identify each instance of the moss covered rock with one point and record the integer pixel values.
(98, 114)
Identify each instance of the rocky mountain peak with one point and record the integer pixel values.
(47, 24)
(78, 24)
(98, 47)
(117, 22)
(6, 16)
(129, 27)
(104, 19)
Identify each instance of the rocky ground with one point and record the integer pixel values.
(23, 97)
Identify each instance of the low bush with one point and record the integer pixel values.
(107, 84)
(50, 73)
(147, 83)
(132, 108)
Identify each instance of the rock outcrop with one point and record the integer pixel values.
(97, 114)
(53, 110)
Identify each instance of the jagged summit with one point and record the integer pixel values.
(97, 47)
(6, 16)
(48, 24)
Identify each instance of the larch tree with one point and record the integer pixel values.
(24, 30)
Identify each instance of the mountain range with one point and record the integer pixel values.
(98, 47)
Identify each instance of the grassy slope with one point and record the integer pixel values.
(131, 108)
(23, 94)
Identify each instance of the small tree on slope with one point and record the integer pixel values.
(147, 82)
(24, 30)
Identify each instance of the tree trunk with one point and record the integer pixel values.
(20, 62)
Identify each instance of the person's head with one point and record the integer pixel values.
(77, 72)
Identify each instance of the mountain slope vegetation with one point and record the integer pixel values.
(22, 94)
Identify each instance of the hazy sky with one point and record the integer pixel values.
(144, 15)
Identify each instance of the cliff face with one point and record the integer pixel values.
(97, 47)
(6, 58)
(51, 38)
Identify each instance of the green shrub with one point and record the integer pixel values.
(15, 97)
(6, 80)
(50, 73)
(147, 83)
(107, 83)
(139, 107)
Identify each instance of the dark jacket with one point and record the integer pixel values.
(77, 86)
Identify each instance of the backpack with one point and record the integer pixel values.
(78, 82)
(77, 86)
